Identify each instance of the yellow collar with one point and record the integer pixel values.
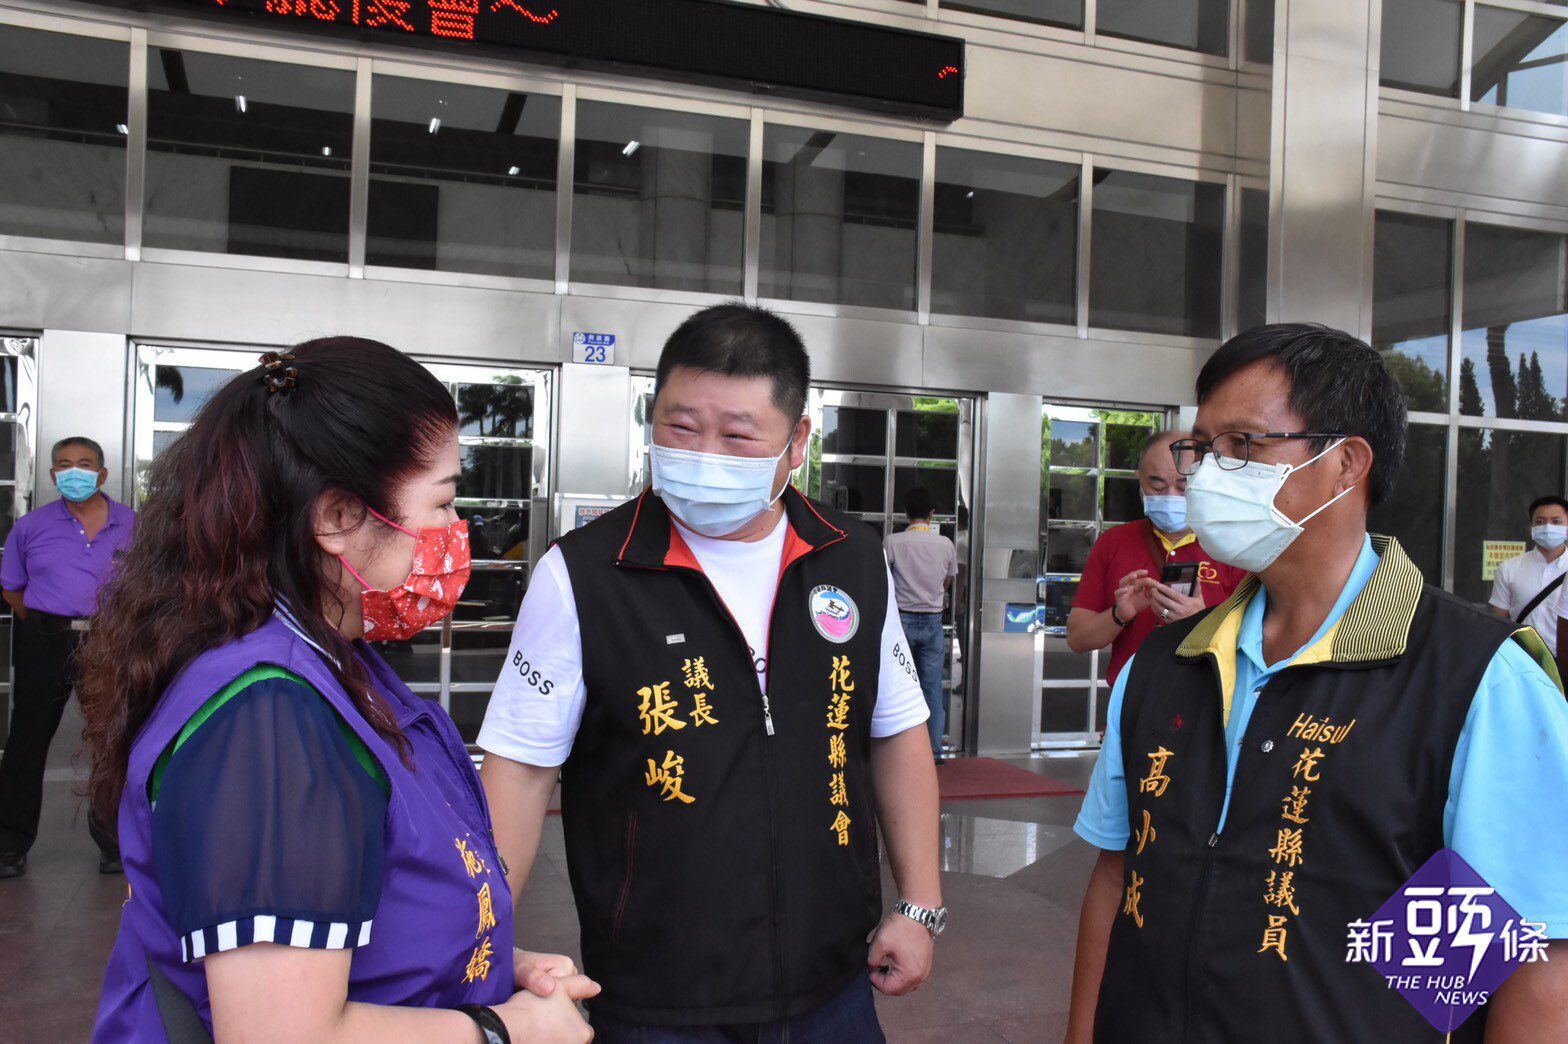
(1171, 546)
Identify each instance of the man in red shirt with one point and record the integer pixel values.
(1120, 598)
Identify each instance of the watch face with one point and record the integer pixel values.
(939, 919)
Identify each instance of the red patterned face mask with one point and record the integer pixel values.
(435, 582)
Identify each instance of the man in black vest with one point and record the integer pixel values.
(720, 669)
(1276, 768)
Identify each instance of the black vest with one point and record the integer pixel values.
(722, 845)
(1338, 798)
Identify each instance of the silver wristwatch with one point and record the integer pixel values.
(933, 921)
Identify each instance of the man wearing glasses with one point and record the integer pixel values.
(1277, 767)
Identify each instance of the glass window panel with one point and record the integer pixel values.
(1123, 499)
(462, 179)
(941, 483)
(1072, 443)
(1066, 709)
(1500, 473)
(468, 708)
(839, 213)
(1070, 496)
(1414, 512)
(63, 102)
(8, 435)
(8, 364)
(162, 440)
(179, 392)
(492, 595)
(1123, 444)
(850, 429)
(1413, 259)
(1521, 61)
(1252, 246)
(1193, 25)
(8, 512)
(927, 434)
(1006, 239)
(497, 473)
(1514, 348)
(416, 661)
(497, 411)
(1155, 254)
(1258, 23)
(854, 487)
(659, 198)
(1062, 664)
(247, 156)
(1068, 14)
(497, 534)
(1421, 46)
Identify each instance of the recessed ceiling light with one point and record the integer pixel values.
(435, 124)
(970, 194)
(631, 147)
(326, 150)
(514, 171)
(239, 102)
(122, 128)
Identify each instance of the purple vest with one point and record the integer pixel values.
(432, 942)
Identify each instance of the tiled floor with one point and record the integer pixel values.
(1013, 877)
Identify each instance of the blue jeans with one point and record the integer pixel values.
(849, 1018)
(926, 644)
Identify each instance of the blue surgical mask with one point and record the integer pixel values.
(1167, 512)
(1549, 538)
(76, 484)
(714, 494)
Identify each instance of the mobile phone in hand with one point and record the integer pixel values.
(1181, 577)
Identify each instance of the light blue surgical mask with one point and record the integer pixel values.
(76, 484)
(1166, 511)
(714, 494)
(1549, 538)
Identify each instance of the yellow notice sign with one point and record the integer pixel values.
(1495, 552)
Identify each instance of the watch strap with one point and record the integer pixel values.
(488, 1021)
(1116, 618)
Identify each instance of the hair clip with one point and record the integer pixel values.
(282, 376)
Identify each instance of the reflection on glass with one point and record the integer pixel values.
(62, 135)
(162, 440)
(1514, 348)
(180, 392)
(1414, 512)
(1421, 45)
(496, 411)
(1412, 261)
(1500, 473)
(852, 430)
(839, 213)
(854, 487)
(496, 473)
(1123, 444)
(659, 198)
(1070, 495)
(497, 534)
(941, 483)
(1193, 25)
(1006, 238)
(1155, 260)
(247, 156)
(1123, 499)
(1258, 22)
(462, 179)
(1068, 14)
(1252, 245)
(1521, 61)
(1072, 443)
(928, 434)
(492, 595)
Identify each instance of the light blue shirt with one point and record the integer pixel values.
(1507, 808)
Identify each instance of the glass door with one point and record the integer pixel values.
(504, 427)
(18, 384)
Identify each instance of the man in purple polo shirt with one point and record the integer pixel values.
(55, 560)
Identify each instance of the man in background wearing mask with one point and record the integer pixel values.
(1526, 587)
(1120, 599)
(719, 669)
(56, 558)
(1277, 768)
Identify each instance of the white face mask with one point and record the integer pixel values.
(1233, 512)
(714, 494)
(1549, 538)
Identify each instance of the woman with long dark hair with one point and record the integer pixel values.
(308, 851)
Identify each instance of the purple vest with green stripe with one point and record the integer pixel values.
(442, 933)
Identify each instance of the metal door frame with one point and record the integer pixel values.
(24, 349)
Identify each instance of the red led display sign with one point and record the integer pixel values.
(741, 46)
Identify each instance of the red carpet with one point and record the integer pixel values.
(963, 779)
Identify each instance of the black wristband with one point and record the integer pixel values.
(488, 1021)
(1118, 620)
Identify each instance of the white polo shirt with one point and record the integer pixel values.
(533, 719)
(1520, 579)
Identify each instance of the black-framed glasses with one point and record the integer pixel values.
(1232, 449)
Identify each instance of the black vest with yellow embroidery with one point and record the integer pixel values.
(722, 846)
(1341, 780)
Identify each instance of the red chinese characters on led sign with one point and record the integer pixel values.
(454, 19)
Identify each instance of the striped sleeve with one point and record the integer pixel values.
(268, 829)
